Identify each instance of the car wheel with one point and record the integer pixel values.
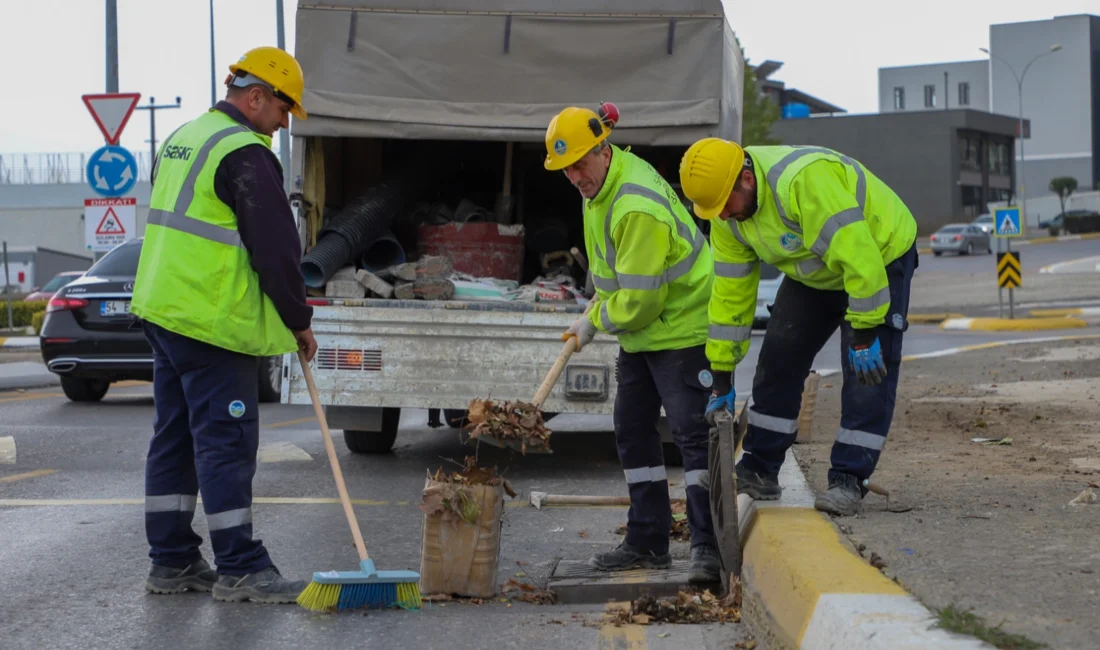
(375, 442)
(271, 379)
(969, 248)
(84, 390)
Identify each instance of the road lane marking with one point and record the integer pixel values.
(282, 451)
(289, 423)
(7, 450)
(26, 397)
(19, 477)
(1093, 260)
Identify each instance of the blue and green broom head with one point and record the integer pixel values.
(345, 590)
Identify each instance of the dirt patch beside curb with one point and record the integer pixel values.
(988, 448)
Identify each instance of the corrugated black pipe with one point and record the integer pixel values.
(353, 230)
(385, 252)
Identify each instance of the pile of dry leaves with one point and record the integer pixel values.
(449, 494)
(686, 607)
(517, 422)
(680, 530)
(526, 592)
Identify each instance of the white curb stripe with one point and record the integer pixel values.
(878, 622)
(7, 451)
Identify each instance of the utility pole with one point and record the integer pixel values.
(152, 108)
(945, 90)
(112, 46)
(213, 83)
(284, 134)
(7, 283)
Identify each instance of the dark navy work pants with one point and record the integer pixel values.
(802, 322)
(206, 434)
(646, 381)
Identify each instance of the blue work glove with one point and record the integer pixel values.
(722, 395)
(865, 357)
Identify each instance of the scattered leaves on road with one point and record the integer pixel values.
(685, 607)
(526, 592)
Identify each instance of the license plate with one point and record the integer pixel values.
(114, 308)
(586, 382)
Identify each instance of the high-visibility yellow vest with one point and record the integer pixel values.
(194, 276)
(824, 220)
(653, 279)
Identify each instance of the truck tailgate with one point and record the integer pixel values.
(420, 354)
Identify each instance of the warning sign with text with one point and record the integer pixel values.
(109, 222)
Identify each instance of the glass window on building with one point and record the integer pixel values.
(964, 94)
(970, 153)
(899, 98)
(930, 96)
(972, 203)
(999, 162)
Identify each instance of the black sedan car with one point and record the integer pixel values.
(90, 339)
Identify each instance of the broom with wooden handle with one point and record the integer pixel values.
(367, 587)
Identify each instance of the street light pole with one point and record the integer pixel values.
(1020, 98)
(153, 108)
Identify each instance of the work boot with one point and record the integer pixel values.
(705, 564)
(844, 496)
(629, 557)
(758, 486)
(267, 586)
(169, 580)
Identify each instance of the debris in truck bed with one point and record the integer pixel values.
(374, 284)
(449, 498)
(425, 289)
(508, 421)
(685, 607)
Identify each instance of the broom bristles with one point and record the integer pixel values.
(319, 597)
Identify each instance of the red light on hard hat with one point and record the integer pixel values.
(609, 114)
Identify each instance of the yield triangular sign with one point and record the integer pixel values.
(111, 112)
(110, 224)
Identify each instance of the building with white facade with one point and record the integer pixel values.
(1057, 63)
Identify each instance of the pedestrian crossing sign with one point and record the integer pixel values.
(1007, 222)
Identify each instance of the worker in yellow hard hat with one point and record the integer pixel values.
(652, 270)
(846, 244)
(219, 288)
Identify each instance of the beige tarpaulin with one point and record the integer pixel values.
(500, 70)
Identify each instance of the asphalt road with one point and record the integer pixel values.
(1032, 257)
(73, 556)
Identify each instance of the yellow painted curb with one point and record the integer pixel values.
(933, 319)
(923, 251)
(1052, 240)
(796, 556)
(1012, 324)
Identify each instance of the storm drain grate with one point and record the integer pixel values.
(354, 360)
(576, 582)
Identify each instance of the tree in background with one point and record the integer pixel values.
(759, 111)
(1063, 186)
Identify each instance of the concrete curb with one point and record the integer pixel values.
(1065, 312)
(1012, 324)
(19, 342)
(807, 588)
(932, 318)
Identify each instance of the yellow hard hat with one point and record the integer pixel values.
(708, 171)
(574, 131)
(278, 69)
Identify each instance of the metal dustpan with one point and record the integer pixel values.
(516, 444)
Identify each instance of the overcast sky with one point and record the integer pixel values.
(829, 49)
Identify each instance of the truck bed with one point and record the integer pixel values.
(442, 354)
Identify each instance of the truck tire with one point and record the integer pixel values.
(84, 390)
(375, 442)
(455, 418)
(270, 379)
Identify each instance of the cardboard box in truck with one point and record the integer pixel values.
(450, 101)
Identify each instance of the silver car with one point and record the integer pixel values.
(770, 279)
(961, 238)
(985, 222)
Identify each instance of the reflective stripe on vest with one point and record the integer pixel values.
(177, 218)
(635, 281)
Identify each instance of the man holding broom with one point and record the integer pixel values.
(218, 286)
(652, 270)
